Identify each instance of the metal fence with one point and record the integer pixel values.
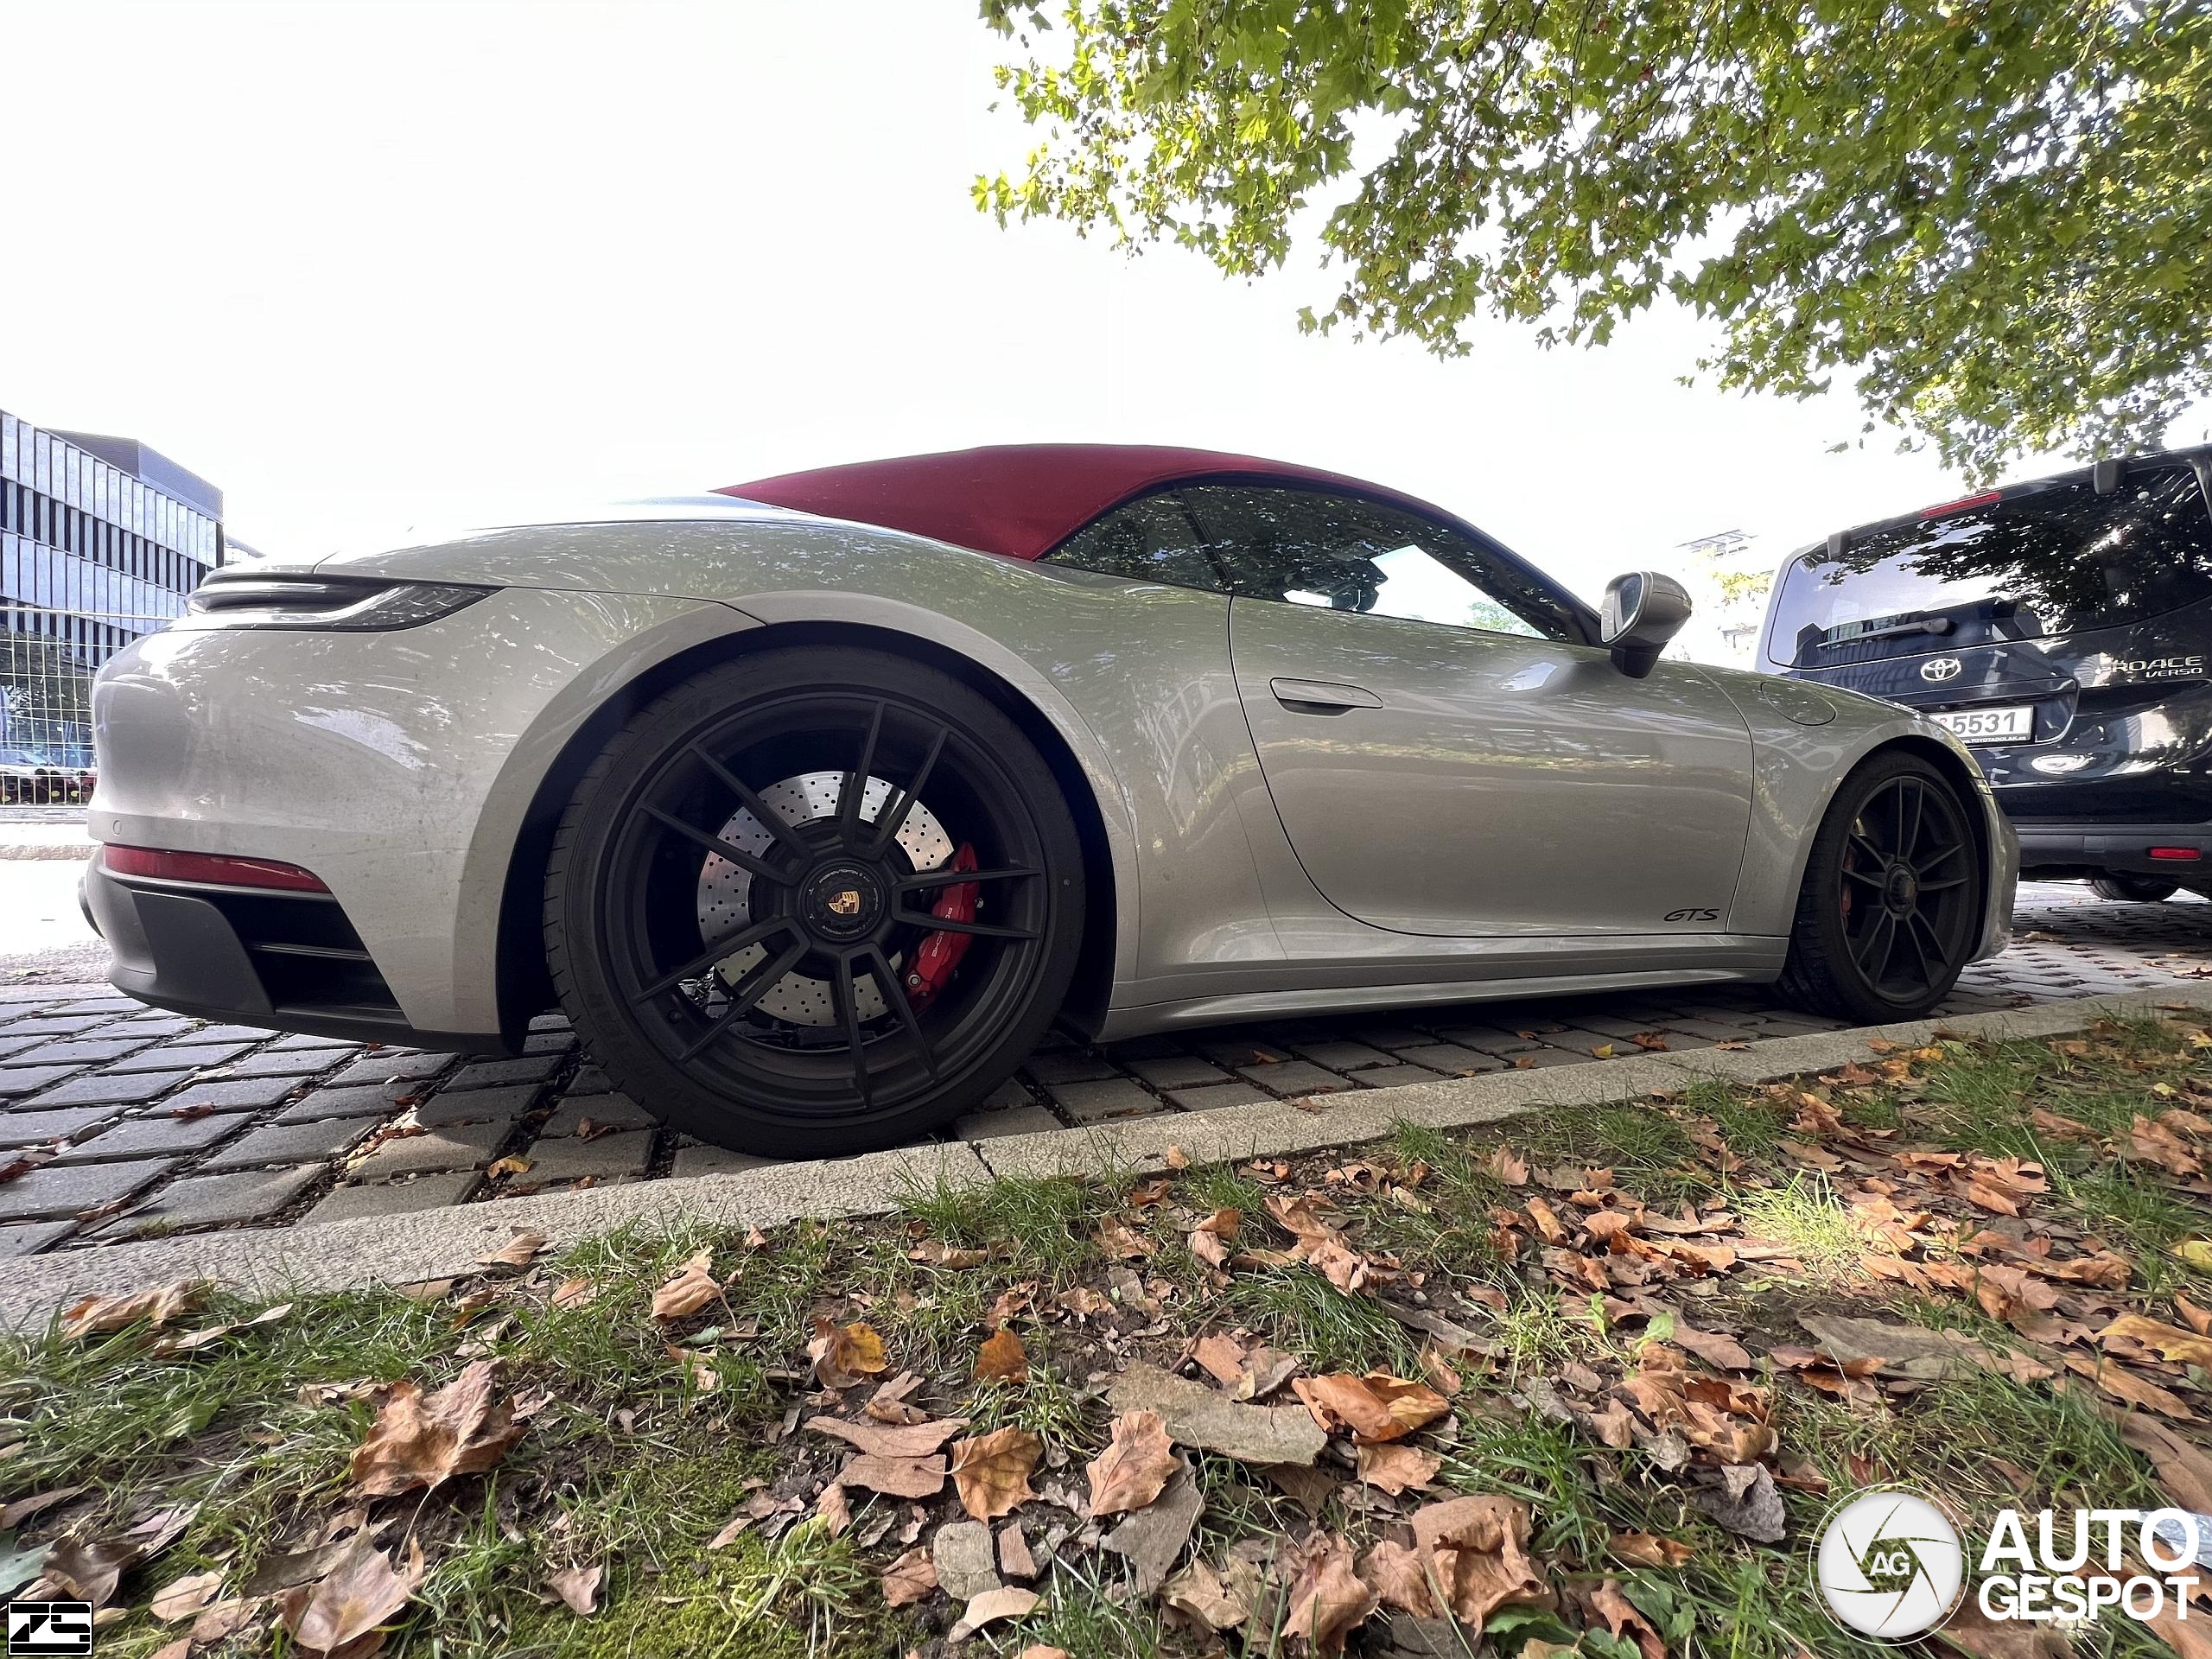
(48, 659)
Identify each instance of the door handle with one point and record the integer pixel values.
(1322, 697)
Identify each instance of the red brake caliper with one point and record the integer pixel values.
(939, 954)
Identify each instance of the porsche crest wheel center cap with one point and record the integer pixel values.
(843, 902)
(1901, 890)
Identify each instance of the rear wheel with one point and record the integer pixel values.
(1891, 906)
(814, 902)
(2133, 889)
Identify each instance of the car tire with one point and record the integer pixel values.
(2133, 889)
(1889, 910)
(759, 967)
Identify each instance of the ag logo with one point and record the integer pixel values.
(1889, 1565)
(1939, 669)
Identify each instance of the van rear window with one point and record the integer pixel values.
(2046, 559)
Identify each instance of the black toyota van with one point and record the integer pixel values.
(2062, 629)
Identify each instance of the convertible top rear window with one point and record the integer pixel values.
(2044, 559)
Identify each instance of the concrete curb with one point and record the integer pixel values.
(55, 850)
(438, 1243)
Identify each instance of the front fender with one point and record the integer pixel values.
(1800, 762)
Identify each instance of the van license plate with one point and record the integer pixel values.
(2014, 721)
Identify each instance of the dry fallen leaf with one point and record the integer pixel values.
(909, 1579)
(843, 1354)
(896, 1477)
(1623, 1618)
(578, 1586)
(989, 1608)
(421, 1439)
(1399, 1576)
(1713, 1347)
(1969, 1630)
(361, 1591)
(691, 1289)
(1134, 1466)
(1396, 1468)
(1477, 1553)
(1373, 1409)
(1648, 1549)
(991, 1472)
(1122, 1242)
(1507, 1167)
(523, 1247)
(186, 1597)
(98, 1315)
(13, 1514)
(1328, 1599)
(1198, 1593)
(2170, 1341)
(2184, 1472)
(1001, 1358)
(891, 1439)
(2136, 1389)
(574, 1292)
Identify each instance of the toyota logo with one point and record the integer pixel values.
(1941, 668)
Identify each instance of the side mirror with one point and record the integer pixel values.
(1642, 612)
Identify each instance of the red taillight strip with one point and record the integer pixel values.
(2176, 855)
(220, 869)
(1963, 503)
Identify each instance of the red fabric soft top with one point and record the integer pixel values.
(1018, 499)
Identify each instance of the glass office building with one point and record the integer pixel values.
(100, 540)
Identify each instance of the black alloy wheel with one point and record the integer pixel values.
(2133, 889)
(815, 901)
(1891, 908)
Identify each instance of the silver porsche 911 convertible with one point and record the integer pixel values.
(814, 802)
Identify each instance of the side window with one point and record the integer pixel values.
(1149, 539)
(1306, 547)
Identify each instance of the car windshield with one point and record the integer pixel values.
(2055, 559)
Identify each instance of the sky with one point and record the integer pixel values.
(374, 266)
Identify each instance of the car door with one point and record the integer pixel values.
(1446, 756)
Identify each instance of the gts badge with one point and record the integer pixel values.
(1694, 913)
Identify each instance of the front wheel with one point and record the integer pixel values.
(1891, 906)
(2133, 889)
(815, 902)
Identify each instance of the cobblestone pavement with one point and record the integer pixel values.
(161, 1123)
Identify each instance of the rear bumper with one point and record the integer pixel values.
(2051, 849)
(402, 769)
(290, 962)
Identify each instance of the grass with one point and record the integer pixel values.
(1803, 1213)
(1047, 1225)
(631, 1468)
(1301, 1312)
(1087, 1616)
